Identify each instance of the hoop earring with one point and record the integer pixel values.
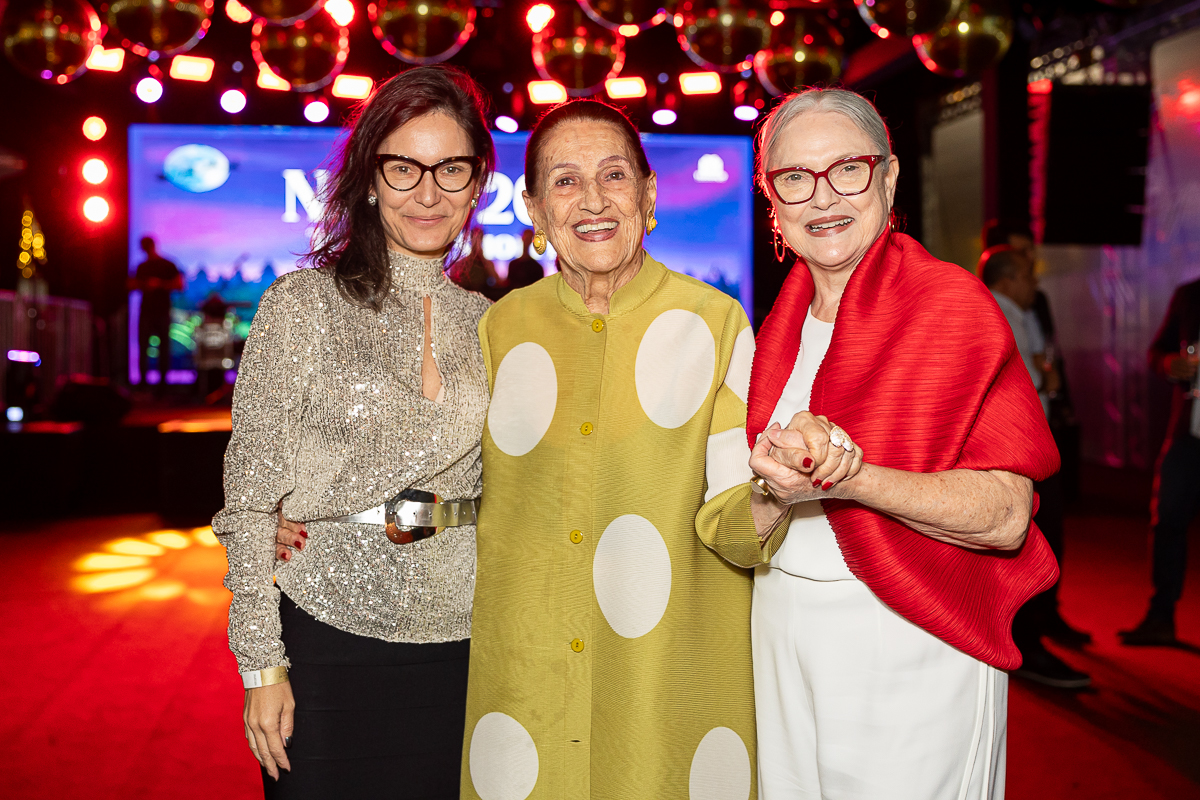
(780, 245)
(651, 223)
(372, 199)
(539, 242)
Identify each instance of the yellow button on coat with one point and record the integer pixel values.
(576, 536)
(597, 325)
(577, 645)
(586, 428)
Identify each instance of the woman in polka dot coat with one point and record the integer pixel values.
(610, 653)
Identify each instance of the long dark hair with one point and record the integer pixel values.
(588, 111)
(351, 244)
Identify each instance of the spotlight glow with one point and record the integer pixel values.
(746, 113)
(964, 27)
(233, 101)
(664, 116)
(14, 413)
(269, 80)
(191, 68)
(506, 124)
(316, 111)
(700, 82)
(776, 18)
(237, 12)
(545, 93)
(539, 17)
(622, 88)
(94, 128)
(628, 30)
(95, 209)
(95, 171)
(149, 90)
(342, 11)
(354, 87)
(106, 60)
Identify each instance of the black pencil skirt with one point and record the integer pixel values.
(374, 719)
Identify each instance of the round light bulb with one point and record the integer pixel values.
(506, 124)
(149, 90)
(316, 111)
(95, 171)
(95, 209)
(233, 101)
(664, 116)
(94, 128)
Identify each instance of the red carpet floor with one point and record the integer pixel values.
(117, 682)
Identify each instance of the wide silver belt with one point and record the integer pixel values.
(411, 514)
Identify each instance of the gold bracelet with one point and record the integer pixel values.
(264, 677)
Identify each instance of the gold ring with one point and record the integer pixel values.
(758, 484)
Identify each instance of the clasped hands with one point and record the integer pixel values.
(801, 463)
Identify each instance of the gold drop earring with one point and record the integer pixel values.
(651, 222)
(539, 242)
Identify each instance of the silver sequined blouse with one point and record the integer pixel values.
(329, 418)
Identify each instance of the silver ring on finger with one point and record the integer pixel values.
(839, 438)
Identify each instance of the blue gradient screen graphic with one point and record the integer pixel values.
(234, 207)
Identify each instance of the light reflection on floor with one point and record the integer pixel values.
(155, 566)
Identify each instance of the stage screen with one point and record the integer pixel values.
(233, 207)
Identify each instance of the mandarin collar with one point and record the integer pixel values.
(640, 289)
(416, 274)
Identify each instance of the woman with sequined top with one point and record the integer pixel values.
(362, 393)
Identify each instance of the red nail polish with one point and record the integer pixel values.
(827, 485)
(304, 533)
(807, 462)
(816, 484)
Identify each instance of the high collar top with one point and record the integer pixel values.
(411, 274)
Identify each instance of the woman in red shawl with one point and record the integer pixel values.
(896, 435)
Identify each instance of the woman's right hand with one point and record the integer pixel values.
(287, 536)
(269, 714)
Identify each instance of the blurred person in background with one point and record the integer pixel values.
(1176, 498)
(524, 270)
(1008, 273)
(156, 278)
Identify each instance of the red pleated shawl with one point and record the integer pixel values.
(924, 375)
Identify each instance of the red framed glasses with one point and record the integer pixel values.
(847, 177)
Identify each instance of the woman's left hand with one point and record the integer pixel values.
(806, 446)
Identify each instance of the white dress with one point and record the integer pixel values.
(854, 702)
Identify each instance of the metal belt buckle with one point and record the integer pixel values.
(407, 534)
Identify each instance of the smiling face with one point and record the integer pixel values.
(831, 232)
(424, 222)
(591, 203)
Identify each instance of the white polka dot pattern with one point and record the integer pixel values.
(675, 364)
(737, 377)
(726, 461)
(524, 399)
(720, 768)
(631, 573)
(503, 758)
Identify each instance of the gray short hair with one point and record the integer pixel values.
(859, 109)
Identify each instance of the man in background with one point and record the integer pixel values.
(1009, 274)
(525, 269)
(156, 278)
(1177, 475)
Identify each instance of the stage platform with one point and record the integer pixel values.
(119, 684)
(163, 458)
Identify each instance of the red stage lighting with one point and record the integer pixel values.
(624, 88)
(191, 68)
(629, 30)
(700, 82)
(1040, 87)
(95, 209)
(545, 93)
(777, 18)
(95, 171)
(94, 128)
(103, 60)
(355, 87)
(539, 17)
